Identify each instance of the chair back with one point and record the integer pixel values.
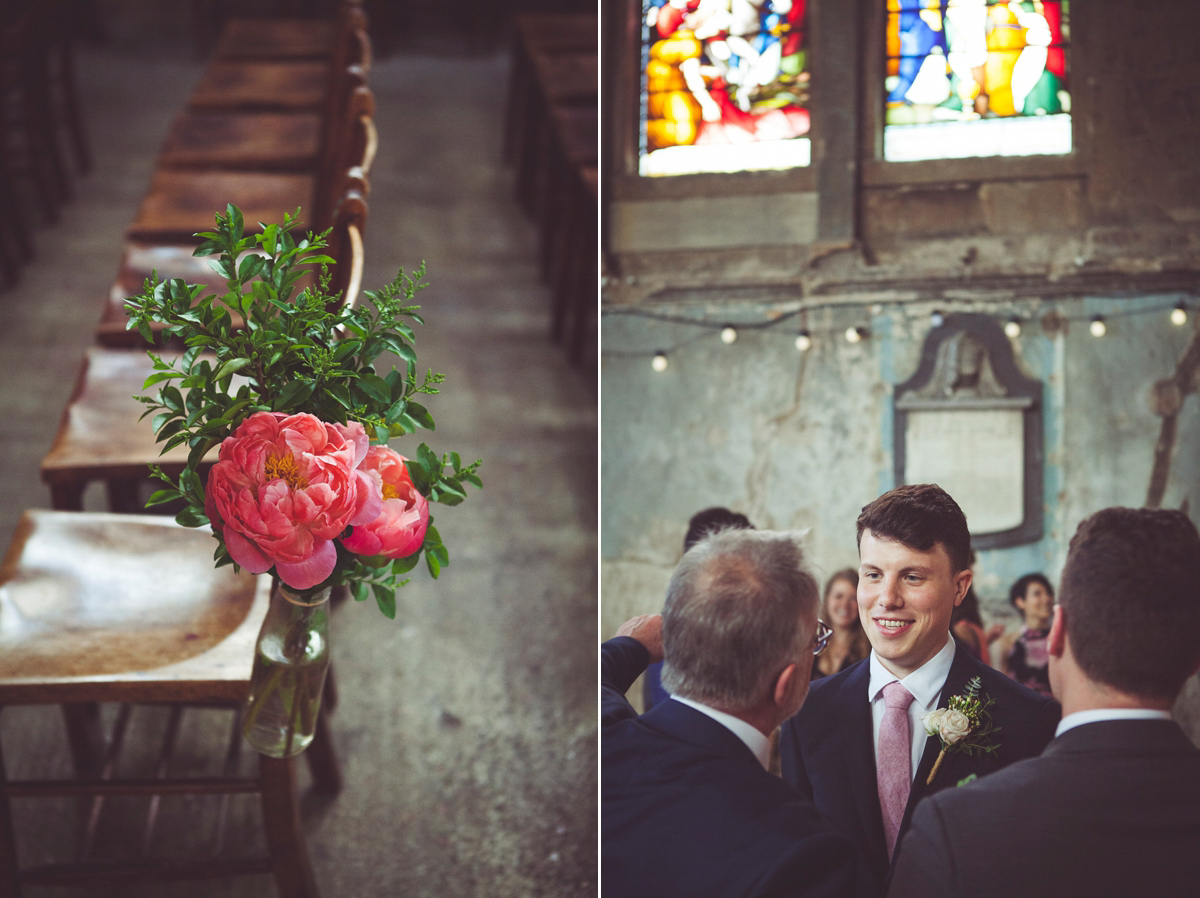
(346, 243)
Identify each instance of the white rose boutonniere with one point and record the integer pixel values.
(961, 725)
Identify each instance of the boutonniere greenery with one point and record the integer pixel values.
(963, 725)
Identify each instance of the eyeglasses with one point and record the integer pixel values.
(824, 631)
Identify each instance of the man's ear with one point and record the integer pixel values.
(783, 686)
(1058, 632)
(961, 584)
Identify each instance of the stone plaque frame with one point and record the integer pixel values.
(967, 364)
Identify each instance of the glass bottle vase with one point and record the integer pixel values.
(291, 657)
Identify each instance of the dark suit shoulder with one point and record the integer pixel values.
(684, 816)
(1099, 813)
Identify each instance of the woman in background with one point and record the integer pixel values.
(839, 609)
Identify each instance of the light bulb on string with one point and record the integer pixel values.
(659, 362)
(1012, 327)
(855, 334)
(936, 318)
(1098, 327)
(803, 341)
(729, 334)
(1179, 315)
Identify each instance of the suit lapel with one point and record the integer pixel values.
(961, 671)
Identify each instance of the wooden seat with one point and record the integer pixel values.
(104, 608)
(542, 34)
(278, 38)
(280, 86)
(180, 203)
(574, 266)
(100, 438)
(564, 82)
(235, 140)
(142, 262)
(30, 130)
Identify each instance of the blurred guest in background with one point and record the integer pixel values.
(839, 609)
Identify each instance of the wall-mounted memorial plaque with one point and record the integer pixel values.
(971, 422)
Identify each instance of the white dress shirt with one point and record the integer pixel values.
(1097, 714)
(925, 684)
(758, 744)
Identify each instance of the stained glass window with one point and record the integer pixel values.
(724, 86)
(977, 78)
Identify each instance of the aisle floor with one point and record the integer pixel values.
(467, 726)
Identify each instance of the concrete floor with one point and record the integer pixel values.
(467, 726)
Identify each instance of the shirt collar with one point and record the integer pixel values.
(1097, 714)
(925, 683)
(758, 744)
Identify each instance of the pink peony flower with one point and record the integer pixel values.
(399, 530)
(284, 487)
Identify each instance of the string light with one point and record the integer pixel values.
(1178, 314)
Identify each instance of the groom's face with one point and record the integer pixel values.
(905, 599)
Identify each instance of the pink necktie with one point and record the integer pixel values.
(894, 760)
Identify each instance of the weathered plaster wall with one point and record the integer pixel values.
(804, 440)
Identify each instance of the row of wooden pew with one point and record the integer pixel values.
(551, 139)
(127, 607)
(42, 136)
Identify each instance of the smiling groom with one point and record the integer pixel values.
(858, 747)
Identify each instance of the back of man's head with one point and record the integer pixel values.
(740, 607)
(1131, 595)
(702, 523)
(920, 515)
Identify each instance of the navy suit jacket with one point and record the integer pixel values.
(827, 752)
(687, 811)
(1111, 808)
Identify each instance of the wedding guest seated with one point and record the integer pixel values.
(839, 609)
(688, 809)
(700, 525)
(1112, 806)
(1025, 656)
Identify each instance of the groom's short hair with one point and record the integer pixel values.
(738, 611)
(920, 515)
(1131, 594)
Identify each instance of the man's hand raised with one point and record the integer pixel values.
(646, 629)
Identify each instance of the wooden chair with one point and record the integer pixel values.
(285, 85)
(141, 262)
(281, 37)
(540, 34)
(105, 608)
(100, 438)
(239, 140)
(574, 272)
(179, 203)
(31, 127)
(565, 82)
(569, 144)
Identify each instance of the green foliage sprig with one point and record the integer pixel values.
(261, 346)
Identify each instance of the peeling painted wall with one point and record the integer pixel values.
(803, 440)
